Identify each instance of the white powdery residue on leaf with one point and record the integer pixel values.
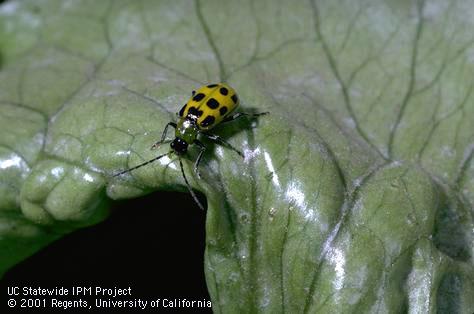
(243, 253)
(15, 161)
(360, 276)
(337, 259)
(310, 214)
(265, 300)
(357, 182)
(122, 153)
(235, 170)
(296, 196)
(87, 177)
(212, 163)
(91, 165)
(250, 154)
(323, 225)
(220, 151)
(167, 162)
(57, 172)
(356, 211)
(269, 162)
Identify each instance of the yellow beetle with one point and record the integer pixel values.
(208, 106)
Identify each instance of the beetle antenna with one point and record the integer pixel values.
(142, 164)
(188, 185)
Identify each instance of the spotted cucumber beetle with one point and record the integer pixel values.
(208, 106)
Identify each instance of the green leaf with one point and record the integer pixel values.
(356, 193)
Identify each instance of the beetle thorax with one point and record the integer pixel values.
(187, 130)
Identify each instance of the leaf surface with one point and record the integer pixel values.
(355, 193)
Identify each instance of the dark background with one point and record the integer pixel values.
(154, 244)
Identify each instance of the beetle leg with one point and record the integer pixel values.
(163, 135)
(198, 160)
(243, 114)
(223, 142)
(189, 185)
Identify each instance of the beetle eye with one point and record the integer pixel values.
(193, 92)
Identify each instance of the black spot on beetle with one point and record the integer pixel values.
(181, 112)
(192, 110)
(223, 110)
(208, 121)
(212, 85)
(193, 92)
(224, 91)
(212, 103)
(199, 97)
(235, 98)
